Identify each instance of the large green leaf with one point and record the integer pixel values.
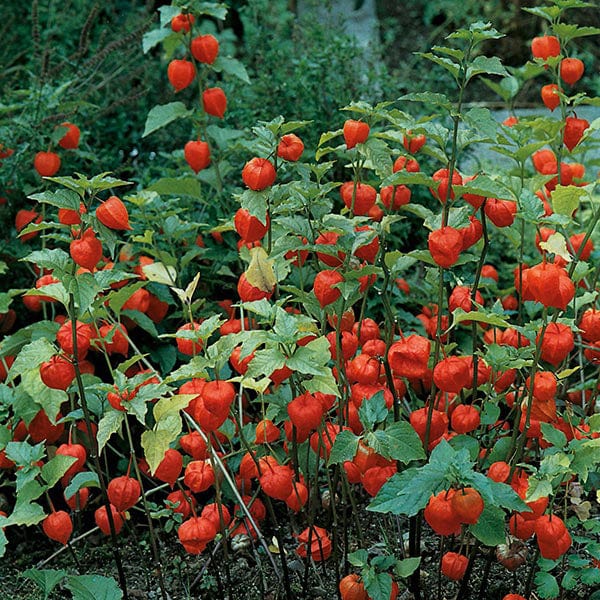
(164, 114)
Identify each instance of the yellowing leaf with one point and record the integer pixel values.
(260, 272)
(557, 244)
(160, 273)
(171, 406)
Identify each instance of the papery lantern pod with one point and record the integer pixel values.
(214, 102)
(40, 428)
(240, 364)
(550, 285)
(544, 385)
(298, 498)
(445, 246)
(181, 73)
(194, 445)
(78, 452)
(364, 369)
(113, 214)
(468, 505)
(320, 544)
(197, 155)
(573, 132)
(358, 197)
(374, 478)
(322, 441)
(438, 427)
(101, 519)
(571, 70)
(290, 147)
(258, 174)
(86, 251)
(409, 356)
(70, 140)
(394, 197)
(215, 513)
(58, 526)
(123, 492)
(348, 342)
(118, 397)
(545, 46)
(276, 480)
(355, 132)
(452, 374)
(113, 339)
(196, 533)
(305, 411)
(78, 500)
(330, 238)
(323, 287)
(23, 218)
(461, 297)
(84, 335)
(440, 515)
(550, 96)
(205, 48)
(413, 143)
(249, 227)
(186, 345)
(576, 241)
(199, 476)
(589, 324)
(557, 343)
(46, 164)
(405, 163)
(366, 329)
(500, 212)
(520, 527)
(218, 396)
(183, 501)
(499, 471)
(182, 22)
(472, 233)
(57, 373)
(514, 597)
(249, 293)
(475, 200)
(465, 418)
(367, 252)
(444, 190)
(170, 467)
(352, 588)
(454, 565)
(266, 432)
(512, 556)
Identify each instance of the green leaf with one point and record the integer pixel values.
(45, 579)
(546, 584)
(49, 399)
(81, 480)
(359, 558)
(452, 67)
(109, 423)
(93, 587)
(373, 410)
(531, 208)
(481, 120)
(55, 468)
(164, 114)
(231, 66)
(479, 315)
(155, 443)
(566, 199)
(490, 65)
(344, 447)
(155, 37)
(554, 436)
(377, 585)
(31, 356)
(26, 513)
(265, 362)
(59, 198)
(432, 98)
(402, 443)
(189, 187)
(55, 259)
(570, 31)
(489, 529)
(406, 567)
(310, 359)
(167, 407)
